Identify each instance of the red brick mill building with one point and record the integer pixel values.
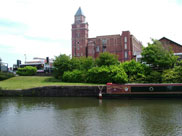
(126, 46)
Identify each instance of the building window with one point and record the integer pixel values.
(125, 39)
(97, 49)
(125, 45)
(78, 48)
(78, 54)
(78, 35)
(104, 48)
(125, 54)
(78, 43)
(81, 54)
(104, 41)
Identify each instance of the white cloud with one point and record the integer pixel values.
(46, 24)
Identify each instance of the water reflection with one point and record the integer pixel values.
(89, 116)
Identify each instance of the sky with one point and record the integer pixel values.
(42, 28)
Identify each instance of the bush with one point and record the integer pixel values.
(153, 77)
(5, 75)
(106, 74)
(172, 75)
(86, 63)
(61, 64)
(135, 70)
(73, 76)
(107, 59)
(27, 71)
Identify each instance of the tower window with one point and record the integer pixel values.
(125, 39)
(78, 35)
(125, 45)
(78, 43)
(125, 54)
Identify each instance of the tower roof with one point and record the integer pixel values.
(79, 12)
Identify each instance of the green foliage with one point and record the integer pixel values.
(27, 71)
(82, 63)
(74, 63)
(157, 56)
(172, 75)
(73, 76)
(107, 59)
(153, 77)
(5, 75)
(104, 74)
(86, 63)
(61, 64)
(134, 70)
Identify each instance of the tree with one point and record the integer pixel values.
(61, 64)
(107, 59)
(135, 70)
(105, 74)
(172, 75)
(86, 63)
(157, 56)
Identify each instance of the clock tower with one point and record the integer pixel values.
(79, 35)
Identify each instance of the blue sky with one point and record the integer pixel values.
(41, 28)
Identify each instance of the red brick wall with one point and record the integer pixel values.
(80, 39)
(168, 44)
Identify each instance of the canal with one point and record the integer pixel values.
(32, 116)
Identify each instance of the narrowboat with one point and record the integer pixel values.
(143, 90)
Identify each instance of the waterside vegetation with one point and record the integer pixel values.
(158, 65)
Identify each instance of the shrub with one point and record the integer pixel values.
(27, 71)
(117, 74)
(107, 59)
(153, 77)
(86, 63)
(172, 75)
(61, 64)
(73, 76)
(5, 75)
(135, 70)
(106, 74)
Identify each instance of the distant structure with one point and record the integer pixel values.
(126, 46)
(167, 43)
(43, 65)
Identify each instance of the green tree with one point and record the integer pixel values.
(61, 64)
(157, 56)
(105, 74)
(107, 59)
(86, 63)
(172, 75)
(153, 76)
(135, 70)
(75, 63)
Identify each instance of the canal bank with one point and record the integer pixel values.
(57, 91)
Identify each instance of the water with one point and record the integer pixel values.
(89, 117)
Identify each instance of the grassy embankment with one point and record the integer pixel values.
(25, 82)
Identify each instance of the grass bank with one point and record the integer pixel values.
(26, 82)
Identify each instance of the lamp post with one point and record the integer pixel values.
(0, 64)
(25, 58)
